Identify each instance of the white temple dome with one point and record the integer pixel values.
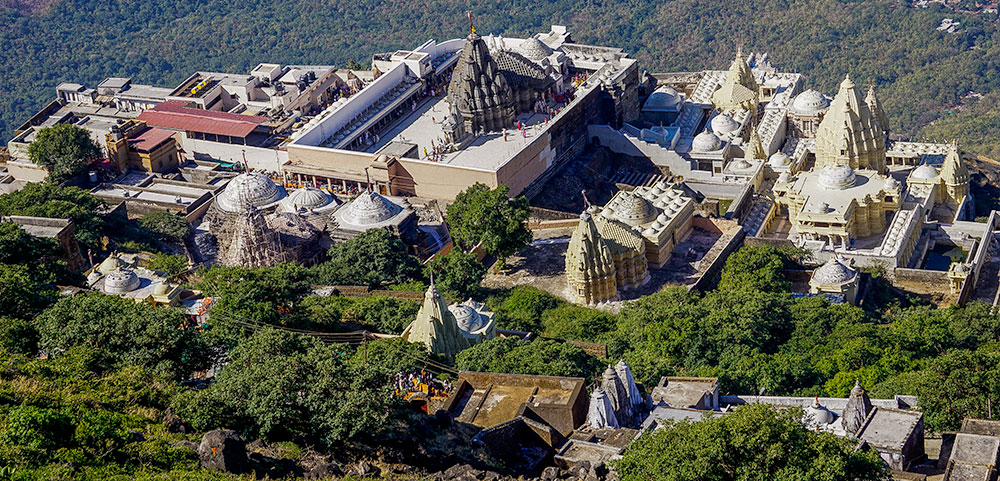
(925, 171)
(779, 159)
(810, 102)
(891, 183)
(662, 98)
(370, 208)
(784, 177)
(706, 142)
(741, 165)
(121, 281)
(723, 124)
(835, 271)
(837, 177)
(634, 210)
(534, 49)
(247, 190)
(819, 415)
(468, 319)
(306, 198)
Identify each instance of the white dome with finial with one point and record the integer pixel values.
(706, 142)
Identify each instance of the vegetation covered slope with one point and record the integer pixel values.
(922, 71)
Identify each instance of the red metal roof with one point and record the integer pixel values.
(175, 116)
(149, 139)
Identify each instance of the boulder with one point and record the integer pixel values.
(364, 469)
(224, 450)
(324, 471)
(174, 423)
(550, 473)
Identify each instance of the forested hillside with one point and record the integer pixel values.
(923, 72)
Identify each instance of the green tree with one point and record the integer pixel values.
(374, 258)
(521, 308)
(44, 199)
(165, 225)
(20, 295)
(458, 274)
(281, 385)
(754, 442)
(19, 247)
(31, 431)
(255, 294)
(541, 357)
(387, 315)
(756, 268)
(18, 336)
(171, 264)
(66, 150)
(124, 332)
(491, 219)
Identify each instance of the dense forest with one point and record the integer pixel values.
(924, 73)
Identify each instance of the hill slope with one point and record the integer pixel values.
(922, 72)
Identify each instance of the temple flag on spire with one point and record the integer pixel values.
(472, 28)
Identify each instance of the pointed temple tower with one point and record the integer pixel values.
(478, 92)
(740, 91)
(254, 243)
(876, 108)
(590, 267)
(954, 176)
(436, 327)
(849, 133)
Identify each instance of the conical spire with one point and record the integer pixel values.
(601, 414)
(631, 390)
(857, 409)
(755, 148)
(849, 134)
(590, 269)
(876, 108)
(953, 171)
(436, 327)
(740, 90)
(612, 384)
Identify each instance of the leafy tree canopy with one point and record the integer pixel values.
(458, 274)
(752, 443)
(123, 332)
(490, 218)
(280, 385)
(165, 225)
(540, 357)
(66, 150)
(43, 199)
(374, 258)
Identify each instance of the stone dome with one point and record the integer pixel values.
(784, 177)
(121, 281)
(891, 183)
(662, 99)
(837, 177)
(810, 102)
(370, 208)
(306, 198)
(741, 165)
(634, 210)
(779, 159)
(819, 415)
(835, 271)
(534, 49)
(925, 171)
(110, 264)
(723, 124)
(247, 190)
(706, 142)
(468, 319)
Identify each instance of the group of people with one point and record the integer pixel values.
(421, 381)
(438, 149)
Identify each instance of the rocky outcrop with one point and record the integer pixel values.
(224, 450)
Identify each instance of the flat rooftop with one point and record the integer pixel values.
(486, 152)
